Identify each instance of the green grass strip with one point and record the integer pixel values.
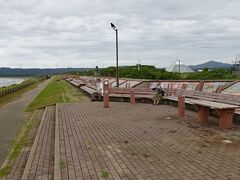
(57, 91)
(17, 95)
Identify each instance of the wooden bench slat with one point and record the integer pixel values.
(214, 105)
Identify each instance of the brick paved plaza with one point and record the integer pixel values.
(86, 141)
(143, 142)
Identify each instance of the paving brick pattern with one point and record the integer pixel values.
(20, 162)
(43, 161)
(143, 142)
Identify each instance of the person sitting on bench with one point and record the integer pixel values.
(99, 86)
(159, 93)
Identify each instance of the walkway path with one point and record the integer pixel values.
(12, 116)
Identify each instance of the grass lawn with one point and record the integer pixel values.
(57, 91)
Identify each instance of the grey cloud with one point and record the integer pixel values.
(77, 33)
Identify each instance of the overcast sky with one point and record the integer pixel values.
(77, 33)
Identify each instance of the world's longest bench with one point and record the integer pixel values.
(224, 104)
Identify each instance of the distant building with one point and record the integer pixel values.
(178, 66)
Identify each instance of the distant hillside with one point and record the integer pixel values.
(36, 71)
(211, 65)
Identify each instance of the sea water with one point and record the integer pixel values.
(5, 81)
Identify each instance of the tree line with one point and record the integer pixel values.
(151, 72)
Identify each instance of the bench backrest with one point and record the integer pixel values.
(129, 90)
(91, 86)
(138, 91)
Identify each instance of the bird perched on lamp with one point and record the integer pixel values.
(113, 26)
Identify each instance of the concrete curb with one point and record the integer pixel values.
(33, 149)
(57, 170)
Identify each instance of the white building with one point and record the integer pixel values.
(178, 66)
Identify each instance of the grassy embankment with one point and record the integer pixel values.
(18, 94)
(57, 91)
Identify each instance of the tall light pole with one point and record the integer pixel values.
(117, 70)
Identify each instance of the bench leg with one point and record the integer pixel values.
(203, 113)
(226, 119)
(132, 98)
(181, 106)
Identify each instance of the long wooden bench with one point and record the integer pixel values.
(224, 104)
(125, 92)
(85, 86)
(119, 92)
(215, 97)
(91, 91)
(69, 79)
(88, 89)
(139, 93)
(77, 82)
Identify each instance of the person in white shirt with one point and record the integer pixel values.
(99, 87)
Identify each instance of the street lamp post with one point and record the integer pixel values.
(117, 69)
